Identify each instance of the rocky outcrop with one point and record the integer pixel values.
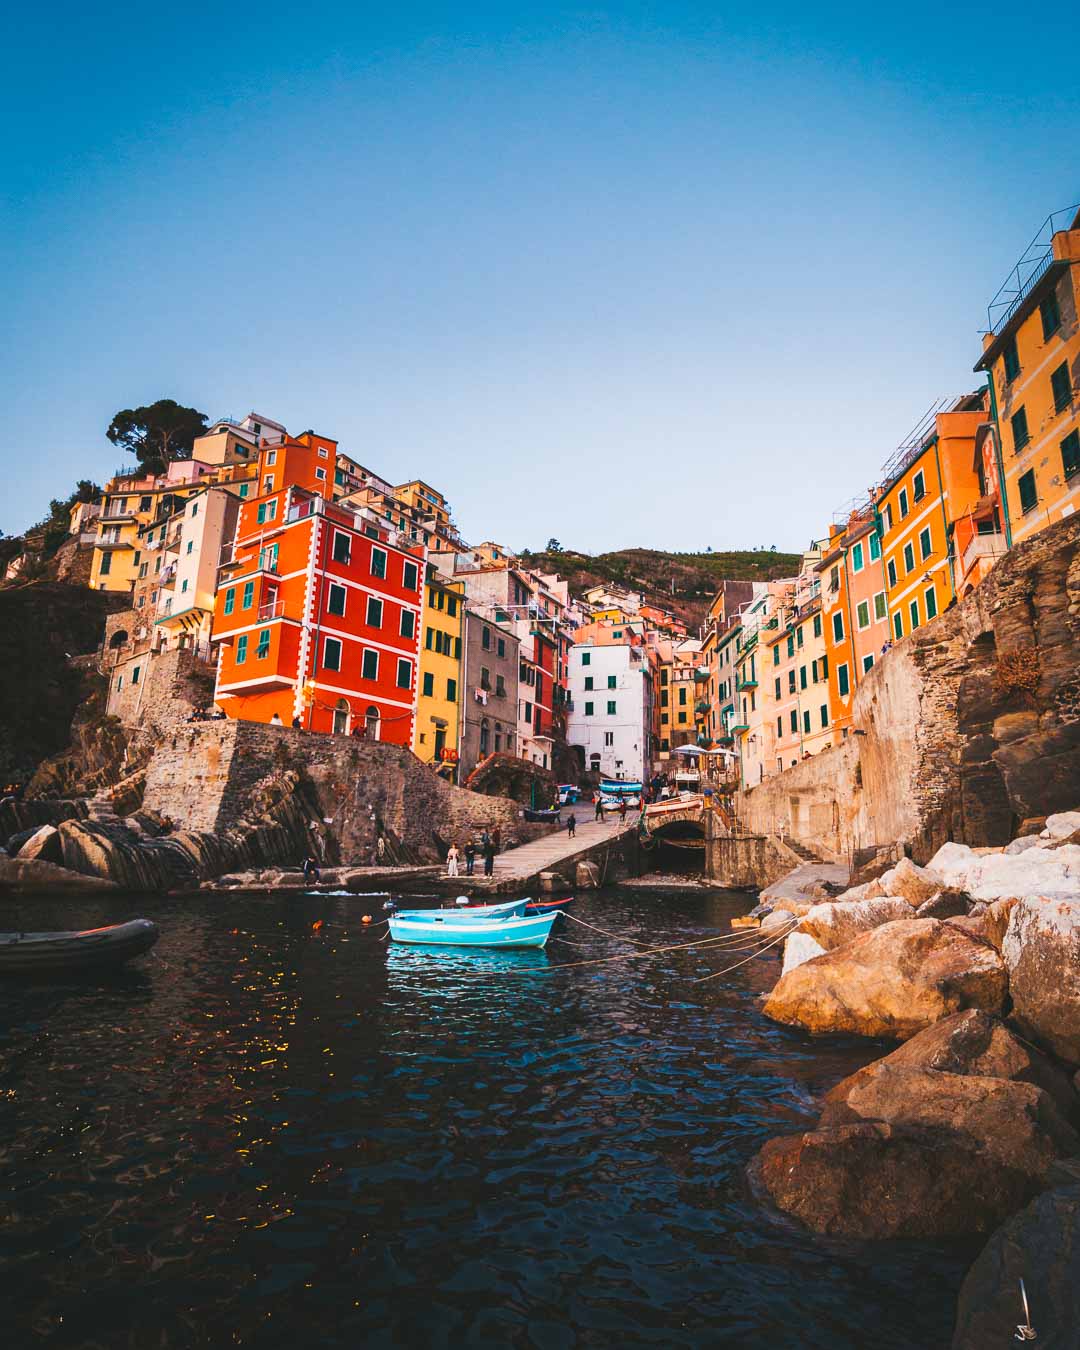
(44, 845)
(1041, 1246)
(33, 877)
(1042, 954)
(798, 948)
(891, 982)
(918, 1153)
(841, 921)
(976, 1045)
(19, 816)
(1053, 873)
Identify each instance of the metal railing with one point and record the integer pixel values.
(1032, 264)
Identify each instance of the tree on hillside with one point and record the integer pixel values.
(553, 546)
(157, 433)
(57, 523)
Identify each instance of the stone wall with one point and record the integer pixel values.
(962, 731)
(203, 773)
(171, 684)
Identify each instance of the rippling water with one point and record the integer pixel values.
(273, 1136)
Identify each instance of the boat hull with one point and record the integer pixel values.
(465, 913)
(75, 952)
(512, 932)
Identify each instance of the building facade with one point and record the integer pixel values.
(611, 707)
(438, 706)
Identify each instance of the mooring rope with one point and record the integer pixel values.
(728, 969)
(737, 940)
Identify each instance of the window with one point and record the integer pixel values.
(1028, 493)
(791, 680)
(378, 562)
(862, 614)
(791, 644)
(824, 667)
(794, 717)
(135, 674)
(918, 486)
(817, 625)
(609, 739)
(249, 595)
(779, 726)
(802, 677)
(857, 558)
(589, 685)
(374, 612)
(322, 451)
(682, 717)
(119, 683)
(268, 483)
(342, 547)
(262, 651)
(230, 601)
(320, 474)
(875, 546)
(813, 672)
(824, 713)
(1019, 429)
(1061, 387)
(898, 624)
(891, 570)
(903, 500)
(925, 544)
(586, 660)
(244, 490)
(331, 658)
(799, 635)
(838, 627)
(867, 662)
(778, 688)
(588, 709)
(241, 649)
(451, 691)
(271, 458)
(1070, 454)
(913, 613)
(909, 558)
(404, 673)
(183, 586)
(190, 546)
(428, 684)
(410, 579)
(485, 639)
(1010, 360)
(930, 600)
(369, 667)
(451, 600)
(1051, 315)
(408, 623)
(336, 602)
(843, 684)
(500, 646)
(611, 707)
(886, 519)
(881, 608)
(613, 683)
(776, 655)
(500, 687)
(806, 722)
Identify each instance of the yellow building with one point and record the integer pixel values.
(1032, 355)
(439, 683)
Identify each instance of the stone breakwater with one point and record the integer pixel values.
(972, 963)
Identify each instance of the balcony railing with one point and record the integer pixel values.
(982, 546)
(274, 610)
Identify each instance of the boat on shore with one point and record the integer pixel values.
(76, 952)
(432, 929)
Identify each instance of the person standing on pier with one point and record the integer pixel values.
(599, 807)
(452, 861)
(571, 826)
(470, 855)
(488, 846)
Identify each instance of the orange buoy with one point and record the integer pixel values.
(316, 925)
(366, 918)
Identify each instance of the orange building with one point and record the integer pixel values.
(317, 614)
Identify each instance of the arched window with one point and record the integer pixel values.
(118, 639)
(341, 717)
(371, 724)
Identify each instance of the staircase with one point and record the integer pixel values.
(800, 850)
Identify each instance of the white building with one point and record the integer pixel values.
(611, 708)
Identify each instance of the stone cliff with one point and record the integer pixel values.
(962, 731)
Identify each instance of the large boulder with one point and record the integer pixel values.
(1041, 951)
(945, 904)
(891, 982)
(914, 1153)
(1061, 825)
(911, 883)
(1053, 873)
(1039, 1246)
(977, 1045)
(43, 845)
(34, 877)
(798, 948)
(839, 922)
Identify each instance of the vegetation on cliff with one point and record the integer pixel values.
(682, 582)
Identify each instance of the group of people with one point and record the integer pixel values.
(207, 715)
(487, 849)
(276, 721)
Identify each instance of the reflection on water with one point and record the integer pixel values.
(271, 1136)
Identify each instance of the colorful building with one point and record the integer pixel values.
(979, 535)
(438, 704)
(1031, 354)
(317, 617)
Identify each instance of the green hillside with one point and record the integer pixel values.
(684, 582)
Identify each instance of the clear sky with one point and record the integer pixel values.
(670, 275)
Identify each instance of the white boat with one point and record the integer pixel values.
(467, 913)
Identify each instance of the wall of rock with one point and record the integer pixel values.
(962, 731)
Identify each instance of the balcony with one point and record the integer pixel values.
(274, 610)
(982, 546)
(741, 684)
(702, 705)
(111, 545)
(737, 728)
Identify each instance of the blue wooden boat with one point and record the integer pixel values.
(467, 913)
(431, 930)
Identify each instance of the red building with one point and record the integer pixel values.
(317, 615)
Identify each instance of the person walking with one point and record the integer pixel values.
(571, 826)
(622, 810)
(452, 861)
(599, 807)
(489, 854)
(470, 855)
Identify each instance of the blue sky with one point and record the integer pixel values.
(661, 275)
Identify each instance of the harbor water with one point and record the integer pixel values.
(280, 1130)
